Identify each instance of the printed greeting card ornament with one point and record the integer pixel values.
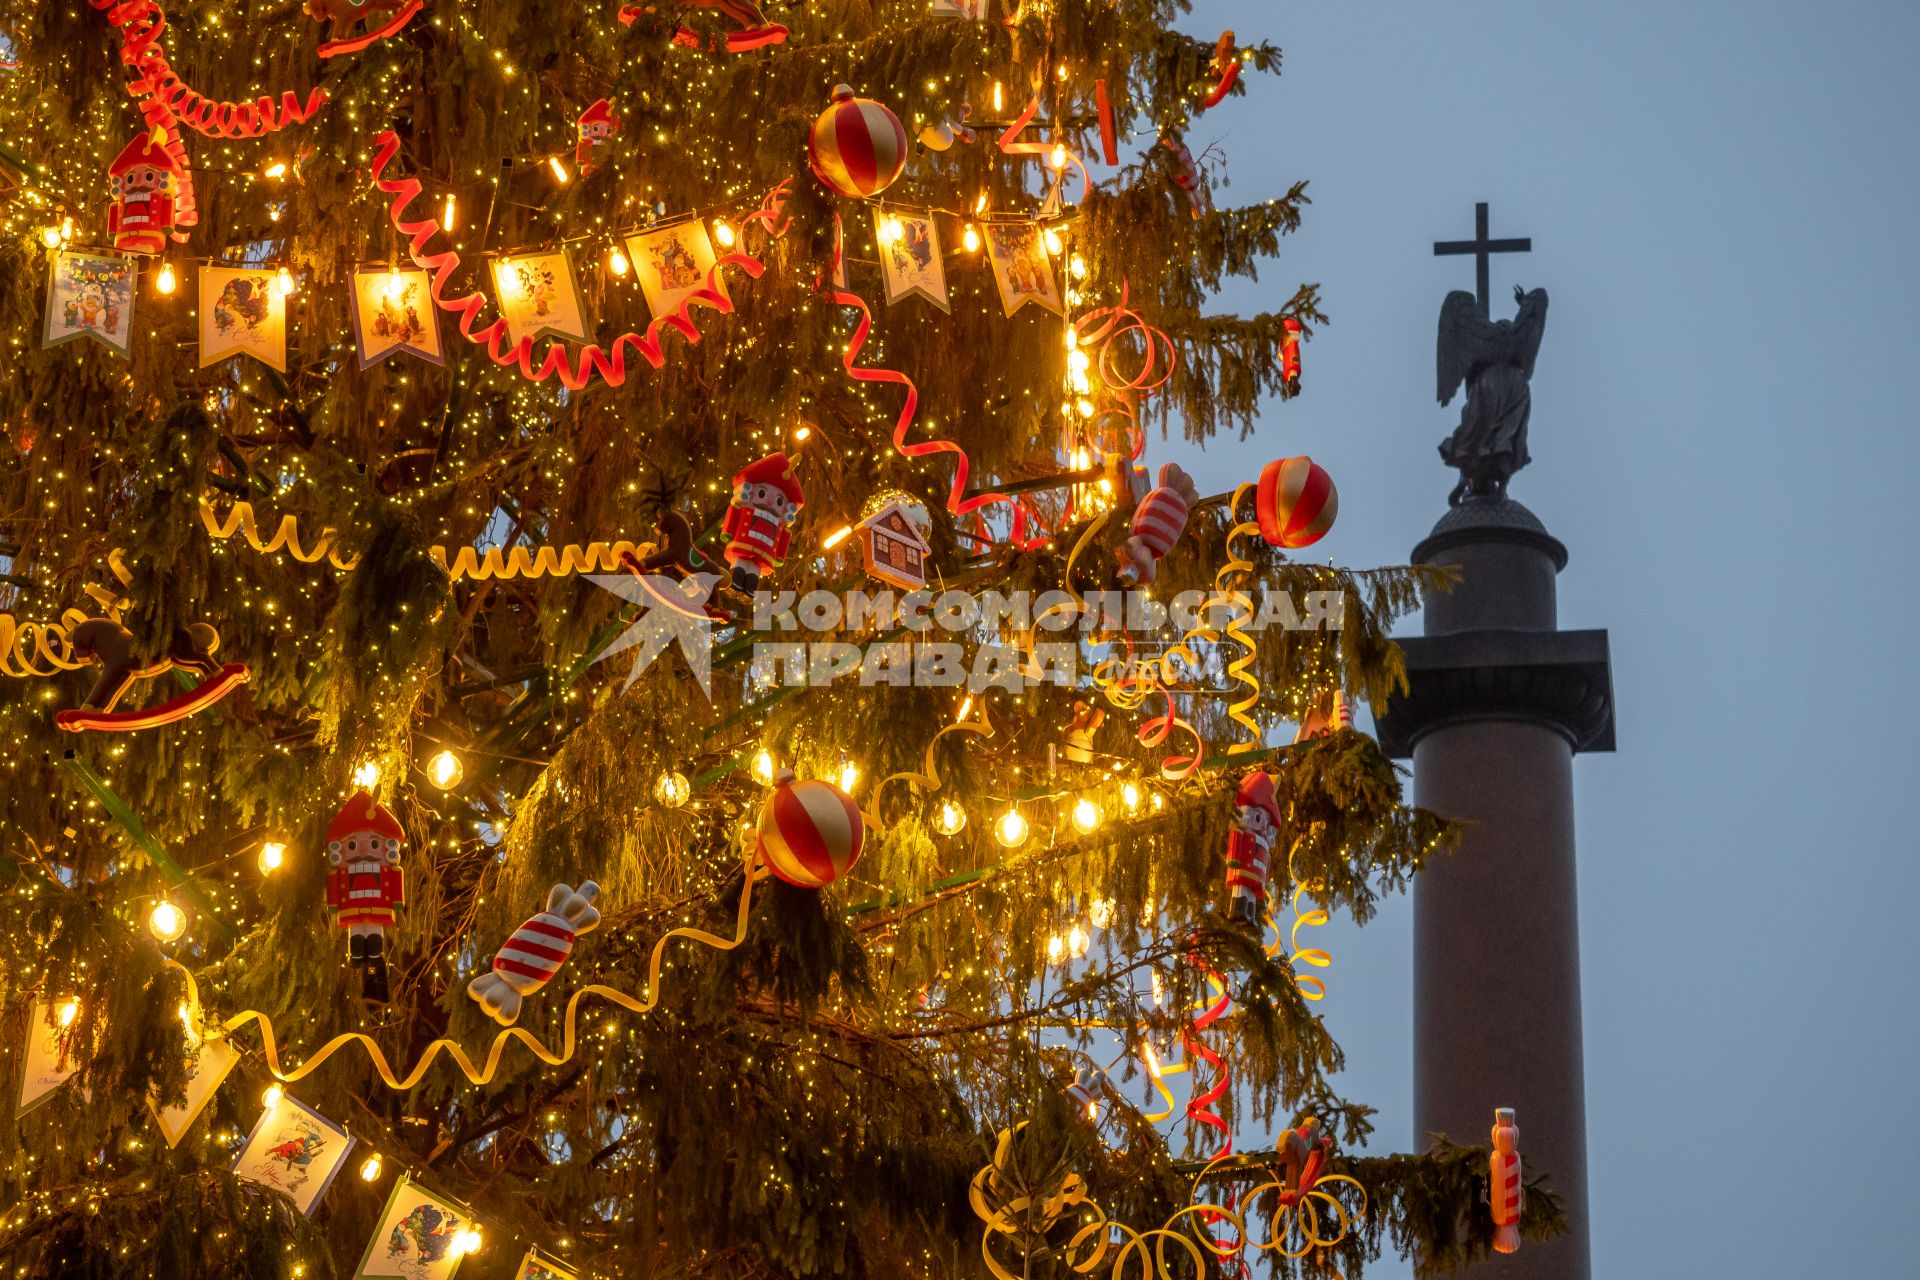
(536, 951)
(766, 501)
(363, 847)
(597, 124)
(1158, 522)
(1290, 357)
(810, 832)
(1505, 1193)
(857, 147)
(146, 178)
(112, 647)
(1256, 823)
(1296, 502)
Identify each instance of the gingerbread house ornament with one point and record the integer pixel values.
(895, 546)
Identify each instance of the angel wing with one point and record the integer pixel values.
(1463, 337)
(1529, 326)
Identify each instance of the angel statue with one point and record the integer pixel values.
(1495, 359)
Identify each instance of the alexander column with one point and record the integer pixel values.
(1500, 702)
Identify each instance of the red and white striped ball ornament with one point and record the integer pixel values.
(857, 146)
(1296, 502)
(810, 833)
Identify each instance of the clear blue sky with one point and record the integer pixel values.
(1722, 200)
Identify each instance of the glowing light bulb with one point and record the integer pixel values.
(801, 433)
(271, 1098)
(445, 770)
(1159, 802)
(980, 205)
(370, 1168)
(1056, 949)
(447, 210)
(763, 767)
(50, 237)
(1077, 267)
(166, 281)
(67, 1012)
(1153, 1059)
(166, 922)
(837, 537)
(849, 774)
(723, 233)
(966, 705)
(466, 1240)
(671, 790)
(617, 260)
(1011, 829)
(1057, 157)
(949, 818)
(970, 239)
(1130, 797)
(1052, 239)
(560, 174)
(273, 855)
(1078, 361)
(999, 99)
(1086, 815)
(396, 284)
(366, 774)
(66, 230)
(1100, 914)
(1077, 941)
(1086, 410)
(278, 169)
(283, 282)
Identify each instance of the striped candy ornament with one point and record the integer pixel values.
(810, 833)
(857, 146)
(1158, 522)
(535, 952)
(1296, 502)
(1505, 1193)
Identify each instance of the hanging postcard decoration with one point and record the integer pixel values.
(296, 1150)
(537, 295)
(672, 263)
(46, 1063)
(419, 1237)
(538, 1266)
(1021, 267)
(242, 312)
(975, 9)
(910, 256)
(208, 1064)
(89, 295)
(393, 311)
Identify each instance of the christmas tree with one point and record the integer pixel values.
(550, 730)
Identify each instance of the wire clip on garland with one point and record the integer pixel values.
(480, 1075)
(608, 365)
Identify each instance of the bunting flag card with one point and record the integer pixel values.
(537, 1266)
(89, 295)
(910, 257)
(296, 1150)
(242, 313)
(537, 295)
(418, 1237)
(44, 1064)
(672, 262)
(208, 1064)
(393, 311)
(1021, 267)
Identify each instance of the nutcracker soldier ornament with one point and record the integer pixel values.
(596, 125)
(146, 179)
(1256, 823)
(766, 500)
(365, 885)
(1504, 1191)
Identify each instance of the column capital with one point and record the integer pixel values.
(1562, 679)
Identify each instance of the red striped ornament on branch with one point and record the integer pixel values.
(810, 833)
(535, 952)
(1296, 502)
(857, 147)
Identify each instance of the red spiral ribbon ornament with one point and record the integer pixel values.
(594, 362)
(140, 23)
(1099, 332)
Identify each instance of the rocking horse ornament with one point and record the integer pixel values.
(346, 32)
(112, 646)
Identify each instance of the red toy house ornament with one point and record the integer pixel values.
(894, 546)
(363, 847)
(146, 179)
(766, 501)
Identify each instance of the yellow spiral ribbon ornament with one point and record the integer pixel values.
(928, 776)
(472, 565)
(29, 649)
(480, 1075)
(286, 536)
(1306, 915)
